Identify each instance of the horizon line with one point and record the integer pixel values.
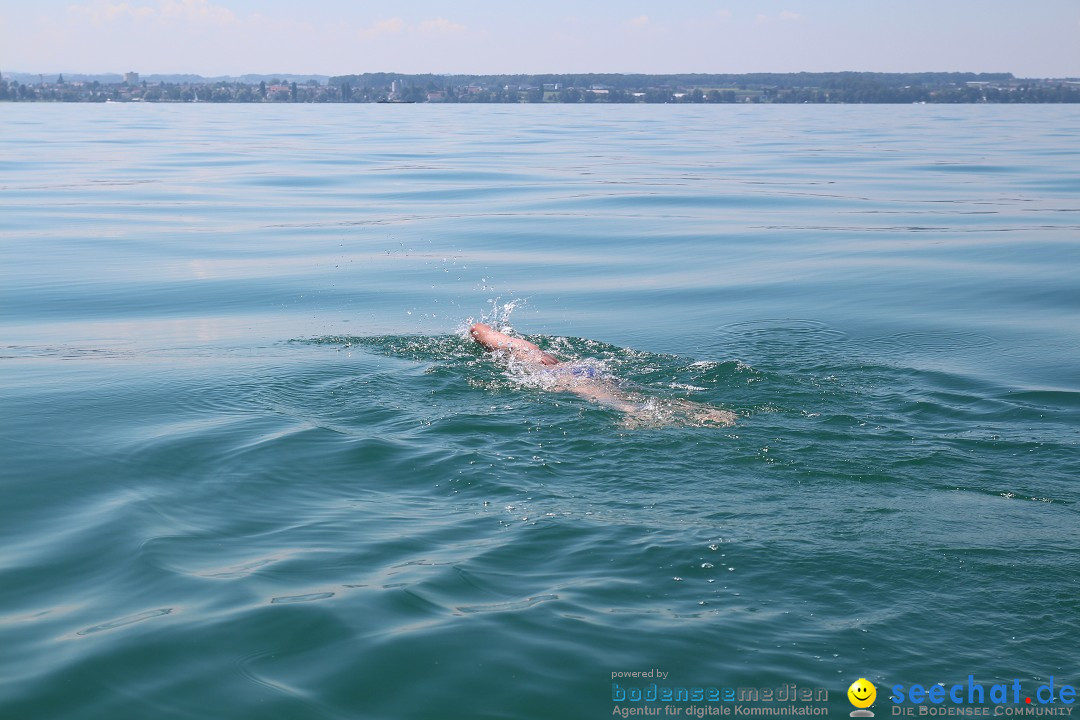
(448, 74)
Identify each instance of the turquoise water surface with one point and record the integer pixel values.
(254, 468)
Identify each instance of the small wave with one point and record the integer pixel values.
(866, 229)
(121, 622)
(12, 352)
(509, 605)
(421, 348)
(782, 342)
(786, 330)
(309, 597)
(932, 342)
(1010, 495)
(1064, 399)
(245, 568)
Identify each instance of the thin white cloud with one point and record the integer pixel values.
(202, 11)
(441, 26)
(398, 26)
(723, 14)
(389, 26)
(103, 12)
(639, 21)
(783, 16)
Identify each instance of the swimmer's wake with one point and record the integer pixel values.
(586, 380)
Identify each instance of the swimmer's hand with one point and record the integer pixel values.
(712, 416)
(666, 413)
(642, 412)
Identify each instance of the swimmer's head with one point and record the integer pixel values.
(548, 359)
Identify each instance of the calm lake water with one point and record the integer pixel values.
(253, 468)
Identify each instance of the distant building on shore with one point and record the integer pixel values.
(131, 78)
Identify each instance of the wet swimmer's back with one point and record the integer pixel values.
(586, 381)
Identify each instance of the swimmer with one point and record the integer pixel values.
(585, 380)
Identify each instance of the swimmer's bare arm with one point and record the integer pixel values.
(494, 340)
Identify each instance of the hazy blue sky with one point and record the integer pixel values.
(332, 37)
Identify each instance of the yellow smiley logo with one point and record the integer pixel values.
(862, 693)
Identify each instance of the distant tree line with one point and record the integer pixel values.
(840, 87)
(633, 82)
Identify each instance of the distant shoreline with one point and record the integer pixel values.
(597, 88)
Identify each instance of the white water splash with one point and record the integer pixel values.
(497, 317)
